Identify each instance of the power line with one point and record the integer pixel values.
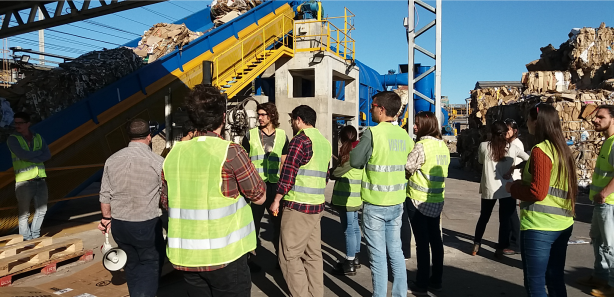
(169, 2)
(110, 27)
(123, 17)
(84, 37)
(158, 13)
(50, 46)
(99, 32)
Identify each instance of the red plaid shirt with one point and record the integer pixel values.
(299, 153)
(239, 177)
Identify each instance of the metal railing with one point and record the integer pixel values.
(338, 41)
(254, 46)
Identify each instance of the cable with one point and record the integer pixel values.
(123, 17)
(169, 2)
(158, 13)
(85, 37)
(51, 46)
(99, 32)
(110, 27)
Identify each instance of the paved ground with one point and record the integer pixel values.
(464, 275)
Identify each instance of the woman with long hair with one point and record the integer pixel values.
(515, 174)
(548, 193)
(427, 169)
(497, 156)
(346, 199)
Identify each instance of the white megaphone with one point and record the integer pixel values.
(114, 259)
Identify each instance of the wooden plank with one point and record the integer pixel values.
(10, 239)
(14, 249)
(39, 256)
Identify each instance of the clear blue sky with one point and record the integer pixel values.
(482, 40)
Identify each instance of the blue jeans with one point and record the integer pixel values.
(349, 221)
(602, 234)
(543, 261)
(26, 192)
(382, 229)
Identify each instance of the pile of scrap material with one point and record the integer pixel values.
(163, 38)
(44, 93)
(575, 79)
(223, 11)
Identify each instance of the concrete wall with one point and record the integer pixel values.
(330, 67)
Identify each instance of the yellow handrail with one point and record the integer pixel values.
(251, 45)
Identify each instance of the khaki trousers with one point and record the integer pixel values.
(300, 253)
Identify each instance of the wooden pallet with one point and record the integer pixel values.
(40, 257)
(14, 249)
(10, 239)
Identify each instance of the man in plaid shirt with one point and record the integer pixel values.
(303, 179)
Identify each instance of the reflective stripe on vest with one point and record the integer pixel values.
(266, 165)
(25, 170)
(210, 244)
(554, 213)
(427, 184)
(347, 189)
(310, 183)
(383, 180)
(604, 171)
(205, 228)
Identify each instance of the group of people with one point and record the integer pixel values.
(216, 192)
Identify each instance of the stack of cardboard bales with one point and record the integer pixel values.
(224, 11)
(162, 39)
(575, 79)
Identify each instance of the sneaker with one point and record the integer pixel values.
(356, 263)
(509, 252)
(476, 249)
(591, 281)
(417, 291)
(603, 292)
(345, 268)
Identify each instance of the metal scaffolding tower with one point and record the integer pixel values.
(412, 34)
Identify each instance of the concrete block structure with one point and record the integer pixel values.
(310, 78)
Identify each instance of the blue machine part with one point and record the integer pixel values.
(309, 10)
(370, 84)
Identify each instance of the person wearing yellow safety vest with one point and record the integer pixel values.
(547, 192)
(382, 152)
(427, 168)
(301, 186)
(346, 199)
(602, 195)
(211, 228)
(28, 151)
(267, 146)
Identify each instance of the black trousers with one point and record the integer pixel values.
(258, 213)
(507, 208)
(145, 249)
(405, 232)
(427, 234)
(233, 280)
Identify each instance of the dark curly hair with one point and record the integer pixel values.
(206, 107)
(271, 111)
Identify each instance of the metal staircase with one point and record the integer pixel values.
(238, 66)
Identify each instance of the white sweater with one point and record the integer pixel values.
(492, 185)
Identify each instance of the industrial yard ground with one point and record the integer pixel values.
(464, 275)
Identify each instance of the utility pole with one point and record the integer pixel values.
(41, 39)
(412, 34)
